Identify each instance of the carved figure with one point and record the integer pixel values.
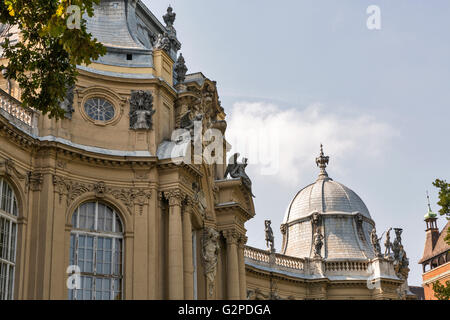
(375, 242)
(318, 243)
(270, 239)
(141, 110)
(387, 243)
(169, 17)
(181, 69)
(237, 170)
(67, 103)
(163, 42)
(210, 252)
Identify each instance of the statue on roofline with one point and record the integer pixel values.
(237, 170)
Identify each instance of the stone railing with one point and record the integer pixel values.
(26, 118)
(305, 265)
(339, 266)
(280, 260)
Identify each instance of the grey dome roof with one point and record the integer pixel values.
(342, 219)
(325, 196)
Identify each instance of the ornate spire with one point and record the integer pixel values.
(322, 162)
(430, 214)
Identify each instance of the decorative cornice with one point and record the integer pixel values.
(74, 189)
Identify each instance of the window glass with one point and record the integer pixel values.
(96, 248)
(8, 240)
(99, 109)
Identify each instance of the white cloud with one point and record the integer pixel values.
(283, 143)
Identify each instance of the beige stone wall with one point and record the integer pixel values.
(154, 198)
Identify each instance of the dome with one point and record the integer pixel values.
(333, 211)
(325, 196)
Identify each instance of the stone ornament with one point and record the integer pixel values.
(180, 69)
(322, 161)
(8, 168)
(67, 103)
(163, 42)
(34, 181)
(73, 189)
(270, 239)
(237, 170)
(188, 121)
(141, 110)
(210, 253)
(401, 261)
(388, 244)
(375, 241)
(318, 244)
(256, 294)
(175, 197)
(169, 19)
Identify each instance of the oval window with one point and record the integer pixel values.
(99, 109)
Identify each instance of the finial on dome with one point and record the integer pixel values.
(322, 162)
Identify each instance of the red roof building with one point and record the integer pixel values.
(436, 256)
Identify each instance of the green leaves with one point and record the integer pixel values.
(444, 201)
(442, 292)
(44, 61)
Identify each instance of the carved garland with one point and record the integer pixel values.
(72, 190)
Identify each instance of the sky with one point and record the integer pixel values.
(310, 72)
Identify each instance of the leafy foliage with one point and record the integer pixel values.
(442, 292)
(444, 201)
(44, 61)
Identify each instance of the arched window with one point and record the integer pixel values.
(96, 248)
(8, 236)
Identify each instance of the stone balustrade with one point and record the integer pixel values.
(303, 265)
(280, 260)
(23, 117)
(338, 266)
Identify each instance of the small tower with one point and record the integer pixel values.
(432, 235)
(431, 218)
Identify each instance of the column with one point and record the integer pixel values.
(175, 246)
(241, 260)
(233, 288)
(187, 252)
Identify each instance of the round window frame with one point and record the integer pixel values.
(98, 95)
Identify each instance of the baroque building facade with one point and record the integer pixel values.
(108, 203)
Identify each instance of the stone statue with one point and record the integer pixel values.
(200, 198)
(318, 243)
(67, 103)
(187, 123)
(397, 243)
(270, 239)
(237, 170)
(375, 242)
(210, 253)
(163, 42)
(169, 18)
(141, 110)
(181, 69)
(401, 262)
(387, 243)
